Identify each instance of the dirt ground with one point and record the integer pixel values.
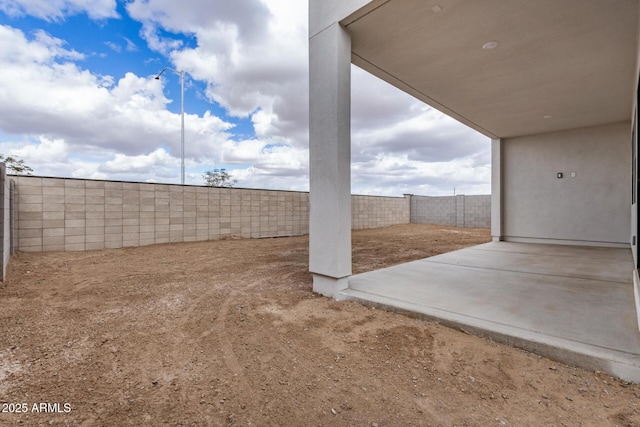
(229, 333)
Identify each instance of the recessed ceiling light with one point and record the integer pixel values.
(490, 45)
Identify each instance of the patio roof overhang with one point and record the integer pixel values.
(557, 64)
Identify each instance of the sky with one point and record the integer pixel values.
(78, 99)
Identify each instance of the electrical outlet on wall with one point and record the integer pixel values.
(573, 174)
(559, 175)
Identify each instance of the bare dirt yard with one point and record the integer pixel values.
(229, 333)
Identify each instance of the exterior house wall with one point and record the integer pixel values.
(591, 208)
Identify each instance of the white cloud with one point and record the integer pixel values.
(246, 16)
(57, 10)
(114, 46)
(51, 157)
(394, 174)
(156, 42)
(159, 162)
(271, 157)
(42, 50)
(130, 46)
(47, 150)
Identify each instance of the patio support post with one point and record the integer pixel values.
(330, 159)
(497, 147)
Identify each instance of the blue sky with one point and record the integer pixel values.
(78, 99)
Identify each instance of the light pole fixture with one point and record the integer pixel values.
(181, 73)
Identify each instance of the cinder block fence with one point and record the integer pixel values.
(459, 211)
(76, 214)
(47, 214)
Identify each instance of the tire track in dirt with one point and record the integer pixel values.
(226, 346)
(243, 392)
(217, 331)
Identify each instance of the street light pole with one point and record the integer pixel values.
(181, 73)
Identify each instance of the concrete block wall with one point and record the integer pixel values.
(434, 210)
(477, 211)
(74, 214)
(460, 211)
(376, 211)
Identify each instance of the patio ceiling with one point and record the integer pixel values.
(558, 64)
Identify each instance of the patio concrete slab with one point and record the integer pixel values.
(573, 304)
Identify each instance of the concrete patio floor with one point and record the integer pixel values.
(570, 303)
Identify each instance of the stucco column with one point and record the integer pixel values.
(330, 159)
(497, 147)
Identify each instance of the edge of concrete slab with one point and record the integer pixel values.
(616, 363)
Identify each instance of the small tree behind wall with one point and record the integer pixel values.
(219, 178)
(15, 165)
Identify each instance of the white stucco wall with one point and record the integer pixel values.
(591, 208)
